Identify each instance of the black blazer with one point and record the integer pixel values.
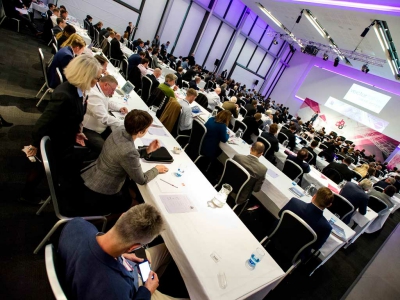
(154, 80)
(314, 160)
(291, 137)
(188, 75)
(343, 169)
(193, 85)
(356, 195)
(252, 128)
(116, 51)
(251, 110)
(179, 80)
(274, 144)
(61, 119)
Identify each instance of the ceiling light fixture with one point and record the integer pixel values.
(299, 17)
(364, 33)
(315, 23)
(336, 62)
(269, 15)
(365, 68)
(351, 4)
(379, 38)
(325, 57)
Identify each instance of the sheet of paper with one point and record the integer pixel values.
(157, 131)
(333, 189)
(118, 115)
(147, 142)
(156, 123)
(176, 204)
(169, 183)
(272, 173)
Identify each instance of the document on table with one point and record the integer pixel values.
(170, 184)
(156, 123)
(147, 142)
(118, 115)
(176, 204)
(157, 131)
(272, 173)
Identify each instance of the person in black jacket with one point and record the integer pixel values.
(343, 168)
(291, 137)
(179, 77)
(252, 123)
(116, 51)
(189, 74)
(11, 12)
(270, 137)
(251, 108)
(275, 118)
(310, 149)
(61, 121)
(329, 153)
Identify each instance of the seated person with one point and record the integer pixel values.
(103, 62)
(193, 83)
(385, 182)
(290, 133)
(154, 59)
(252, 123)
(97, 122)
(115, 47)
(300, 161)
(154, 78)
(256, 170)
(186, 119)
(271, 138)
(107, 179)
(64, 35)
(269, 120)
(213, 98)
(356, 195)
(275, 118)
(312, 214)
(385, 196)
(75, 45)
(231, 106)
(11, 12)
(328, 154)
(167, 86)
(143, 66)
(83, 249)
(134, 60)
(343, 168)
(189, 74)
(251, 108)
(310, 149)
(60, 26)
(179, 73)
(63, 14)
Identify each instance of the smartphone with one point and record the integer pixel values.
(144, 268)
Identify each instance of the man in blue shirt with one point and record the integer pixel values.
(101, 265)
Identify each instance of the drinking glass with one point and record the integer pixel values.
(255, 258)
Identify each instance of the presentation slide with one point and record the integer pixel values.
(366, 104)
(367, 98)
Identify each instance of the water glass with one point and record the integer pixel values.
(214, 113)
(310, 190)
(181, 170)
(285, 143)
(255, 258)
(153, 109)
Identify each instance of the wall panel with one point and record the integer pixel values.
(152, 10)
(256, 60)
(245, 77)
(246, 53)
(206, 40)
(219, 46)
(234, 53)
(235, 11)
(174, 21)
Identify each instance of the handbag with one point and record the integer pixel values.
(160, 155)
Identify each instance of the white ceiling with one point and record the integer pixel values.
(344, 25)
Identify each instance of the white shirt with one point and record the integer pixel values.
(186, 120)
(54, 20)
(97, 117)
(213, 100)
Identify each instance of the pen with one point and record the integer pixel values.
(168, 183)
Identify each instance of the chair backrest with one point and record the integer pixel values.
(310, 157)
(341, 207)
(282, 137)
(54, 47)
(239, 125)
(241, 102)
(60, 78)
(340, 156)
(52, 264)
(322, 146)
(292, 170)
(267, 145)
(209, 85)
(333, 175)
(290, 238)
(161, 106)
(96, 36)
(202, 100)
(379, 188)
(376, 204)
(109, 49)
(44, 68)
(243, 111)
(146, 88)
(185, 84)
(219, 108)
(357, 175)
(125, 68)
(193, 148)
(235, 175)
(85, 24)
(156, 97)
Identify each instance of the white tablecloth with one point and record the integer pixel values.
(79, 30)
(192, 238)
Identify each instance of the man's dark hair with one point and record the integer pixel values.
(390, 190)
(254, 102)
(145, 61)
(302, 154)
(348, 160)
(314, 143)
(60, 20)
(50, 5)
(137, 121)
(324, 197)
(142, 53)
(273, 128)
(293, 127)
(101, 59)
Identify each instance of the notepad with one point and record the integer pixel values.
(177, 204)
(157, 131)
(339, 232)
(272, 173)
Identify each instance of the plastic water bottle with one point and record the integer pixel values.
(255, 258)
(285, 143)
(239, 133)
(126, 97)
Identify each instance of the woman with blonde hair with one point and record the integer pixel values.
(62, 119)
(72, 47)
(362, 170)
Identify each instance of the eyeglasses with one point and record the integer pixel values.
(144, 246)
(98, 78)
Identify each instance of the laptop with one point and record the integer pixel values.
(126, 89)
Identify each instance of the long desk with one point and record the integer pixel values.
(79, 30)
(197, 239)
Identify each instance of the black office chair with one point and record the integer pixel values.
(376, 204)
(292, 170)
(219, 108)
(239, 125)
(182, 139)
(379, 189)
(237, 177)
(146, 88)
(242, 111)
(323, 147)
(193, 148)
(341, 207)
(54, 272)
(156, 97)
(185, 84)
(357, 176)
(286, 244)
(62, 207)
(202, 100)
(267, 145)
(161, 106)
(333, 175)
(317, 139)
(282, 137)
(340, 156)
(310, 157)
(241, 102)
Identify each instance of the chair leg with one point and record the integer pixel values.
(43, 205)
(44, 95)
(48, 236)
(104, 225)
(244, 206)
(1, 22)
(43, 86)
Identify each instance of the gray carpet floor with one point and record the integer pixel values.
(23, 275)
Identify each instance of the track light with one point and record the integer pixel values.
(365, 68)
(325, 57)
(364, 33)
(275, 42)
(299, 17)
(336, 62)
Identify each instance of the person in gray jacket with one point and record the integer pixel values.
(107, 180)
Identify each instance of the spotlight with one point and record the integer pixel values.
(365, 68)
(336, 62)
(364, 33)
(292, 48)
(275, 42)
(299, 17)
(303, 49)
(325, 57)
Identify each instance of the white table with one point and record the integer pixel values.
(192, 238)
(38, 9)
(79, 30)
